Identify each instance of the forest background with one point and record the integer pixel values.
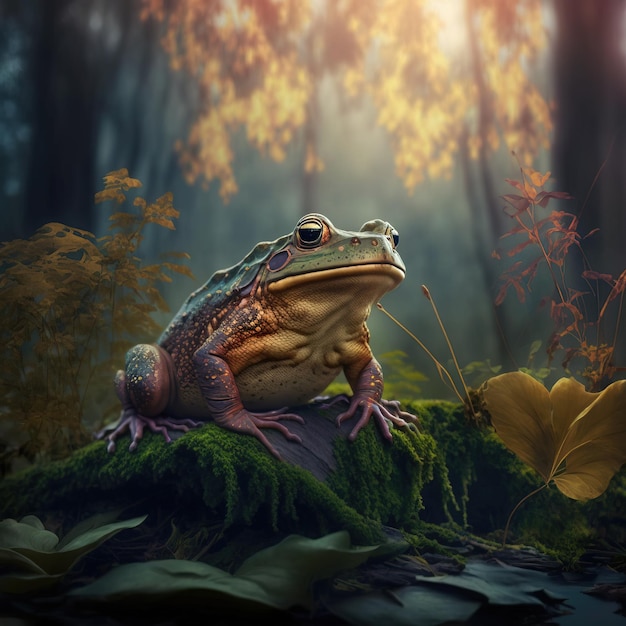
(253, 113)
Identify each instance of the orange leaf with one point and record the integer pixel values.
(591, 275)
(537, 178)
(530, 192)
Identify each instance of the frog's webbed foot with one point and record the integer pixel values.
(384, 412)
(133, 422)
(393, 406)
(251, 423)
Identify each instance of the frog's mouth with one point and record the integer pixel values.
(385, 271)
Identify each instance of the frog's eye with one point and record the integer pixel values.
(309, 232)
(378, 226)
(392, 234)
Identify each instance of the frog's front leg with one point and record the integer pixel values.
(368, 391)
(144, 389)
(219, 389)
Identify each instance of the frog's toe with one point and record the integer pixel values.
(368, 410)
(274, 416)
(112, 432)
(160, 424)
(272, 422)
(249, 423)
(135, 423)
(132, 423)
(410, 420)
(384, 412)
(270, 419)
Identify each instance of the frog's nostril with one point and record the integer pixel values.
(355, 241)
(374, 242)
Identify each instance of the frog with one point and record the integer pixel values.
(269, 333)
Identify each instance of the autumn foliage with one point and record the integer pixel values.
(243, 56)
(72, 304)
(259, 64)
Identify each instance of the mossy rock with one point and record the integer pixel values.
(450, 479)
(212, 473)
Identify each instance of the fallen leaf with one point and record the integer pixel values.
(277, 577)
(573, 437)
(33, 558)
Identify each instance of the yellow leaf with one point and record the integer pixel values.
(537, 178)
(519, 406)
(162, 221)
(570, 436)
(115, 175)
(119, 179)
(594, 446)
(109, 194)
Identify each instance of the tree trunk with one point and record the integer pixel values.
(65, 112)
(590, 137)
(590, 140)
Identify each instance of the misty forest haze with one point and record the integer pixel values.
(90, 86)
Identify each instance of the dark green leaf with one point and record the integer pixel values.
(279, 577)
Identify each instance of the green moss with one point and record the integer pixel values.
(382, 480)
(434, 538)
(478, 481)
(446, 497)
(221, 473)
(451, 479)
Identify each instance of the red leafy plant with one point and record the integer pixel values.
(575, 438)
(549, 237)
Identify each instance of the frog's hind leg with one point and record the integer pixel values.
(143, 389)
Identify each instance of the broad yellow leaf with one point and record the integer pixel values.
(569, 435)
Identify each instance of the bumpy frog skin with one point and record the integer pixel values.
(270, 332)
